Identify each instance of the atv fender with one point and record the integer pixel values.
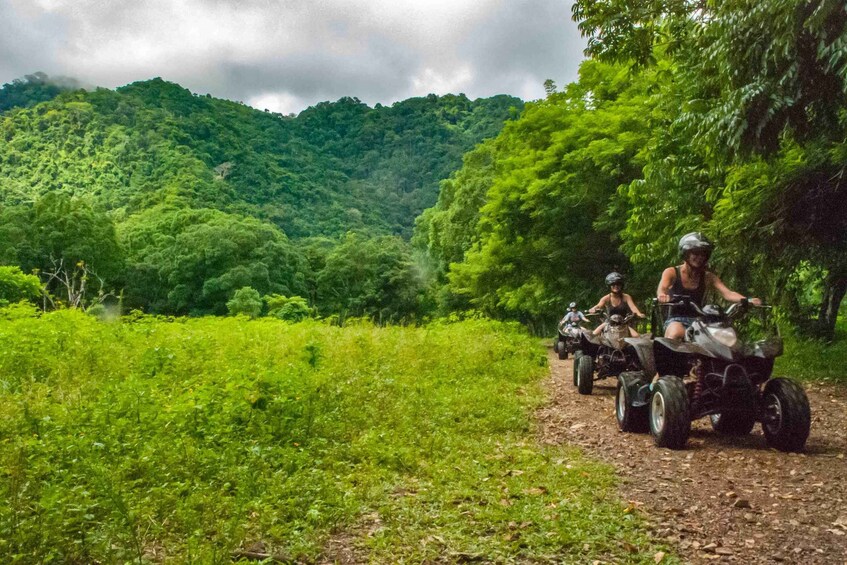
(641, 396)
(643, 346)
(680, 346)
(589, 336)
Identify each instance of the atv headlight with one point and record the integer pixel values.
(725, 336)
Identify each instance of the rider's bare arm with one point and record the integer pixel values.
(631, 303)
(725, 292)
(600, 304)
(665, 284)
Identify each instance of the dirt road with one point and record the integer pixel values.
(720, 499)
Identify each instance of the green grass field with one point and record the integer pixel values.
(183, 441)
(813, 360)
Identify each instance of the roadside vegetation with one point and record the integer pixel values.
(189, 440)
(815, 360)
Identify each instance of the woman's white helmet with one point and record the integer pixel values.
(614, 278)
(695, 241)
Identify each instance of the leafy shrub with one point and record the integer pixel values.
(16, 286)
(247, 301)
(291, 309)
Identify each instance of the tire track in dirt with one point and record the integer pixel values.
(720, 499)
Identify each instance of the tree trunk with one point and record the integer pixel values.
(834, 289)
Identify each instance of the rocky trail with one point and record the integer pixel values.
(721, 499)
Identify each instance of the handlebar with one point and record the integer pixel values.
(732, 311)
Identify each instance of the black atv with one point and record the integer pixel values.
(606, 355)
(713, 372)
(568, 339)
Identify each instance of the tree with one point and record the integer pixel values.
(761, 88)
(16, 286)
(543, 235)
(246, 301)
(192, 261)
(289, 308)
(64, 239)
(370, 276)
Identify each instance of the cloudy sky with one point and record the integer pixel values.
(285, 55)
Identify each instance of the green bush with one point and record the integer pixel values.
(16, 286)
(291, 309)
(246, 301)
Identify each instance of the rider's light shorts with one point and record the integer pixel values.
(686, 321)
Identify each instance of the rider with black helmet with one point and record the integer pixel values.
(616, 302)
(691, 279)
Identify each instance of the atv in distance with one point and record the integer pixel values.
(608, 354)
(568, 340)
(718, 373)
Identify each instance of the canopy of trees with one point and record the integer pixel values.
(177, 202)
(335, 167)
(728, 117)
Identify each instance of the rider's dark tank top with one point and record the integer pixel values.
(696, 295)
(622, 308)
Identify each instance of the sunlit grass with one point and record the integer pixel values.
(184, 441)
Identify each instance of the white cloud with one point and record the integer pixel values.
(432, 81)
(280, 102)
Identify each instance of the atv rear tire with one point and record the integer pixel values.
(670, 419)
(630, 418)
(585, 374)
(733, 423)
(786, 417)
(562, 349)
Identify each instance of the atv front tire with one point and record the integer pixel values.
(786, 417)
(585, 374)
(562, 349)
(577, 354)
(670, 419)
(630, 418)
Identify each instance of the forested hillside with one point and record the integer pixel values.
(337, 166)
(174, 201)
(729, 119)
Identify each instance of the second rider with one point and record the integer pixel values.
(616, 302)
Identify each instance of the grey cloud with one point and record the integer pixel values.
(28, 43)
(527, 40)
(310, 51)
(374, 75)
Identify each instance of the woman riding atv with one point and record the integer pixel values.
(692, 279)
(573, 317)
(616, 302)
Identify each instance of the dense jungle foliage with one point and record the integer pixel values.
(728, 118)
(335, 167)
(172, 201)
(202, 440)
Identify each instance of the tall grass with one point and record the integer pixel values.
(183, 441)
(815, 360)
